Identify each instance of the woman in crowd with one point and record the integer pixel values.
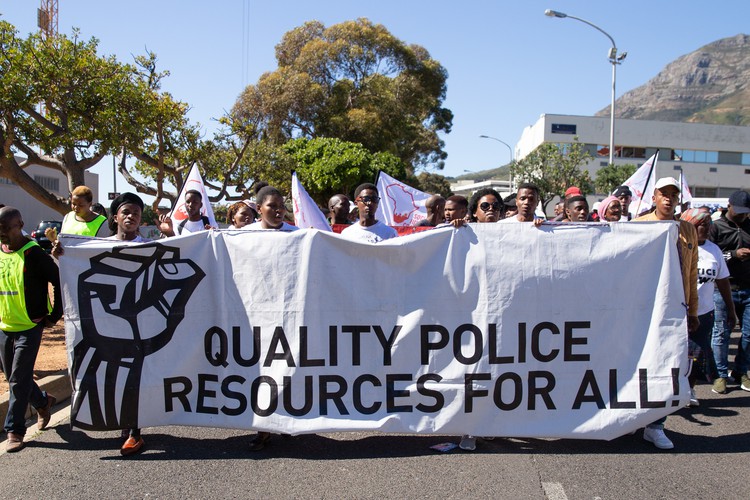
(486, 205)
(81, 220)
(272, 210)
(610, 209)
(711, 268)
(241, 214)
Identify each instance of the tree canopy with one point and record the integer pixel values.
(610, 177)
(356, 82)
(554, 168)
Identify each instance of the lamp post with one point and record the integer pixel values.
(510, 150)
(614, 59)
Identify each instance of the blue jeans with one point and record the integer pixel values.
(18, 352)
(721, 334)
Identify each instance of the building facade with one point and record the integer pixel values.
(715, 159)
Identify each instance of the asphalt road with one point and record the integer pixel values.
(712, 445)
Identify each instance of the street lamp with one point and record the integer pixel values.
(510, 150)
(614, 59)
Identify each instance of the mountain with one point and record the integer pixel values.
(709, 85)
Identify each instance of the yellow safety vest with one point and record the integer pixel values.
(71, 225)
(13, 315)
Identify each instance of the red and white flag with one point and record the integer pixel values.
(400, 205)
(642, 193)
(306, 212)
(193, 182)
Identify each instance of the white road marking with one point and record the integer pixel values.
(554, 491)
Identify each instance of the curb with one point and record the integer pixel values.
(57, 384)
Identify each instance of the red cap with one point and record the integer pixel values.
(572, 190)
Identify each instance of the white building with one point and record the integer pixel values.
(715, 159)
(32, 210)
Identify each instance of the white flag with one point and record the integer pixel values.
(685, 194)
(400, 205)
(306, 212)
(193, 182)
(637, 183)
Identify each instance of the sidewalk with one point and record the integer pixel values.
(58, 385)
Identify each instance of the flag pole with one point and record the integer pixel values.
(648, 178)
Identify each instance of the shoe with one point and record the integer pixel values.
(658, 438)
(468, 443)
(14, 443)
(259, 441)
(745, 383)
(694, 401)
(131, 446)
(489, 438)
(734, 377)
(720, 386)
(44, 414)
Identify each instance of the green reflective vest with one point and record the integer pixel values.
(13, 315)
(71, 225)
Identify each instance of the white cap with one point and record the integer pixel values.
(596, 206)
(667, 181)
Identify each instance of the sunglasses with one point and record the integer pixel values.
(486, 206)
(368, 199)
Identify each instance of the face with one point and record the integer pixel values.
(559, 208)
(488, 209)
(193, 204)
(702, 230)
(80, 205)
(624, 201)
(526, 202)
(128, 218)
(614, 212)
(367, 204)
(10, 229)
(578, 211)
(665, 200)
(339, 207)
(243, 217)
(734, 216)
(272, 212)
(454, 211)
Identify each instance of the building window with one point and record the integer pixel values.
(712, 169)
(48, 183)
(746, 158)
(5, 180)
(695, 156)
(563, 128)
(704, 192)
(629, 152)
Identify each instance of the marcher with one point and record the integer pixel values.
(272, 211)
(26, 272)
(435, 206)
(610, 209)
(527, 199)
(81, 220)
(195, 221)
(456, 208)
(625, 196)
(511, 210)
(338, 208)
(576, 209)
(731, 233)
(665, 200)
(368, 229)
(486, 205)
(242, 214)
(711, 270)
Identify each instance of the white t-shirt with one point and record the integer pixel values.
(711, 267)
(257, 226)
(191, 226)
(370, 234)
(138, 239)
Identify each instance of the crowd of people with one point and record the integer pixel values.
(714, 260)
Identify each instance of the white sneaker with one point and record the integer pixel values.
(468, 443)
(694, 401)
(657, 436)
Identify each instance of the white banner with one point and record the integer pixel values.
(490, 329)
(400, 204)
(642, 193)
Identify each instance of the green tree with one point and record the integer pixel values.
(356, 82)
(434, 184)
(610, 177)
(554, 168)
(327, 166)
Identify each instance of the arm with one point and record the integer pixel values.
(49, 272)
(165, 225)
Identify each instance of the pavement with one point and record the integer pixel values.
(57, 384)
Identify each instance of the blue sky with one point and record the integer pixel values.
(507, 62)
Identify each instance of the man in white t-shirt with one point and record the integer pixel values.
(195, 221)
(527, 199)
(368, 229)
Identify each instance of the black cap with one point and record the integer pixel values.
(740, 201)
(622, 191)
(122, 199)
